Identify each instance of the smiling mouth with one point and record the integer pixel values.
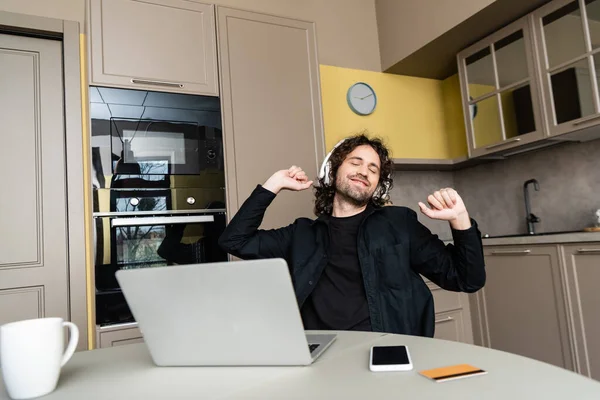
(359, 181)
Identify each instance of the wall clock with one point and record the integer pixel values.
(361, 98)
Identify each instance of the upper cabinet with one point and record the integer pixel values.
(535, 82)
(568, 35)
(167, 45)
(500, 93)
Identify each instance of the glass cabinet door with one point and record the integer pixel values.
(568, 34)
(500, 91)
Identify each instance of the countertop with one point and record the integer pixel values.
(549, 238)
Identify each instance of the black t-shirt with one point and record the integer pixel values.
(339, 301)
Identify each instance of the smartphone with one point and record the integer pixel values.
(390, 358)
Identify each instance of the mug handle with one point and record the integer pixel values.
(74, 331)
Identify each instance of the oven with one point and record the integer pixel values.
(129, 240)
(158, 186)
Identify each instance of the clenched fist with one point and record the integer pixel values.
(447, 205)
(293, 178)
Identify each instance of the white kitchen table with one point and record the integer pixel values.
(342, 372)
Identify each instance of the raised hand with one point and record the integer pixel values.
(294, 179)
(447, 205)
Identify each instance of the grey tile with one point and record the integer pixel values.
(569, 177)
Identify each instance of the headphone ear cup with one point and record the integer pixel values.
(327, 179)
(326, 166)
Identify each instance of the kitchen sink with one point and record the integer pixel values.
(526, 234)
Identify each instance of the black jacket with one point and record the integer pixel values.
(393, 249)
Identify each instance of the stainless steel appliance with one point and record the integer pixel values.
(158, 186)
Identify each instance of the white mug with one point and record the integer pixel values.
(31, 355)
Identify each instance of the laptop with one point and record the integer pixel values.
(240, 313)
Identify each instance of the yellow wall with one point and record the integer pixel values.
(453, 117)
(410, 114)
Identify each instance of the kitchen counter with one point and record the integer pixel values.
(546, 238)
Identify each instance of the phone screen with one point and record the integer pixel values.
(390, 355)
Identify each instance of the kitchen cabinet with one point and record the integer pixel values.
(271, 107)
(165, 45)
(533, 83)
(522, 308)
(452, 315)
(118, 335)
(500, 94)
(582, 273)
(453, 326)
(568, 36)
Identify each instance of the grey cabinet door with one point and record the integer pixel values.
(118, 335)
(522, 309)
(452, 314)
(451, 326)
(271, 107)
(33, 220)
(582, 271)
(167, 45)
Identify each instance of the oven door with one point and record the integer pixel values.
(145, 241)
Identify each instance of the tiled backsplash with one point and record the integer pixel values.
(569, 177)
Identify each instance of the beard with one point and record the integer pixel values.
(351, 193)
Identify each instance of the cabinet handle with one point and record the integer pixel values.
(588, 119)
(447, 319)
(157, 83)
(588, 250)
(501, 252)
(503, 143)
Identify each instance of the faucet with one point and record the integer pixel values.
(529, 216)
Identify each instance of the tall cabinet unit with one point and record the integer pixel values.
(271, 107)
(265, 73)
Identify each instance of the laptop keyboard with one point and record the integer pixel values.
(312, 347)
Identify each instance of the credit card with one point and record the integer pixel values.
(452, 372)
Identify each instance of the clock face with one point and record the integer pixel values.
(361, 98)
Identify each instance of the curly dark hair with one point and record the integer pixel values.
(324, 194)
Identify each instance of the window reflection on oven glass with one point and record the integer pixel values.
(154, 203)
(137, 246)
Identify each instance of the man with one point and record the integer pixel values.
(357, 266)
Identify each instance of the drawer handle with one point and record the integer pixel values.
(588, 250)
(506, 252)
(447, 319)
(157, 83)
(503, 143)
